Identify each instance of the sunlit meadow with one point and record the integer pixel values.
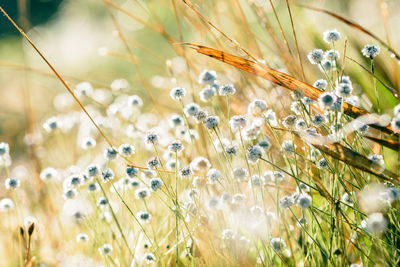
(201, 133)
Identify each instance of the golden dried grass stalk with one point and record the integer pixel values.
(353, 158)
(190, 5)
(295, 40)
(358, 161)
(343, 59)
(284, 53)
(394, 145)
(280, 79)
(132, 57)
(281, 28)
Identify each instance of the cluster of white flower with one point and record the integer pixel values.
(220, 157)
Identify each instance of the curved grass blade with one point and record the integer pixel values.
(355, 26)
(280, 79)
(391, 90)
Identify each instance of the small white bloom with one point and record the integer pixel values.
(207, 77)
(214, 176)
(378, 159)
(142, 193)
(316, 56)
(332, 36)
(288, 146)
(376, 223)
(135, 101)
(175, 146)
(149, 258)
(257, 107)
(127, 150)
(396, 112)
(48, 174)
(318, 120)
(208, 93)
(110, 153)
(119, 85)
(326, 100)
(4, 149)
(83, 89)
(12, 183)
(254, 153)
(200, 164)
(286, 202)
(396, 124)
(370, 51)
(153, 163)
(211, 122)
(51, 124)
(6, 204)
(143, 216)
(107, 175)
(227, 89)
(320, 84)
(331, 55)
(277, 244)
(227, 235)
(88, 142)
(191, 109)
(82, 238)
(301, 124)
(151, 138)
(289, 121)
(240, 174)
(304, 200)
(178, 93)
(105, 250)
(344, 90)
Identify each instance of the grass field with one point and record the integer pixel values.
(201, 133)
